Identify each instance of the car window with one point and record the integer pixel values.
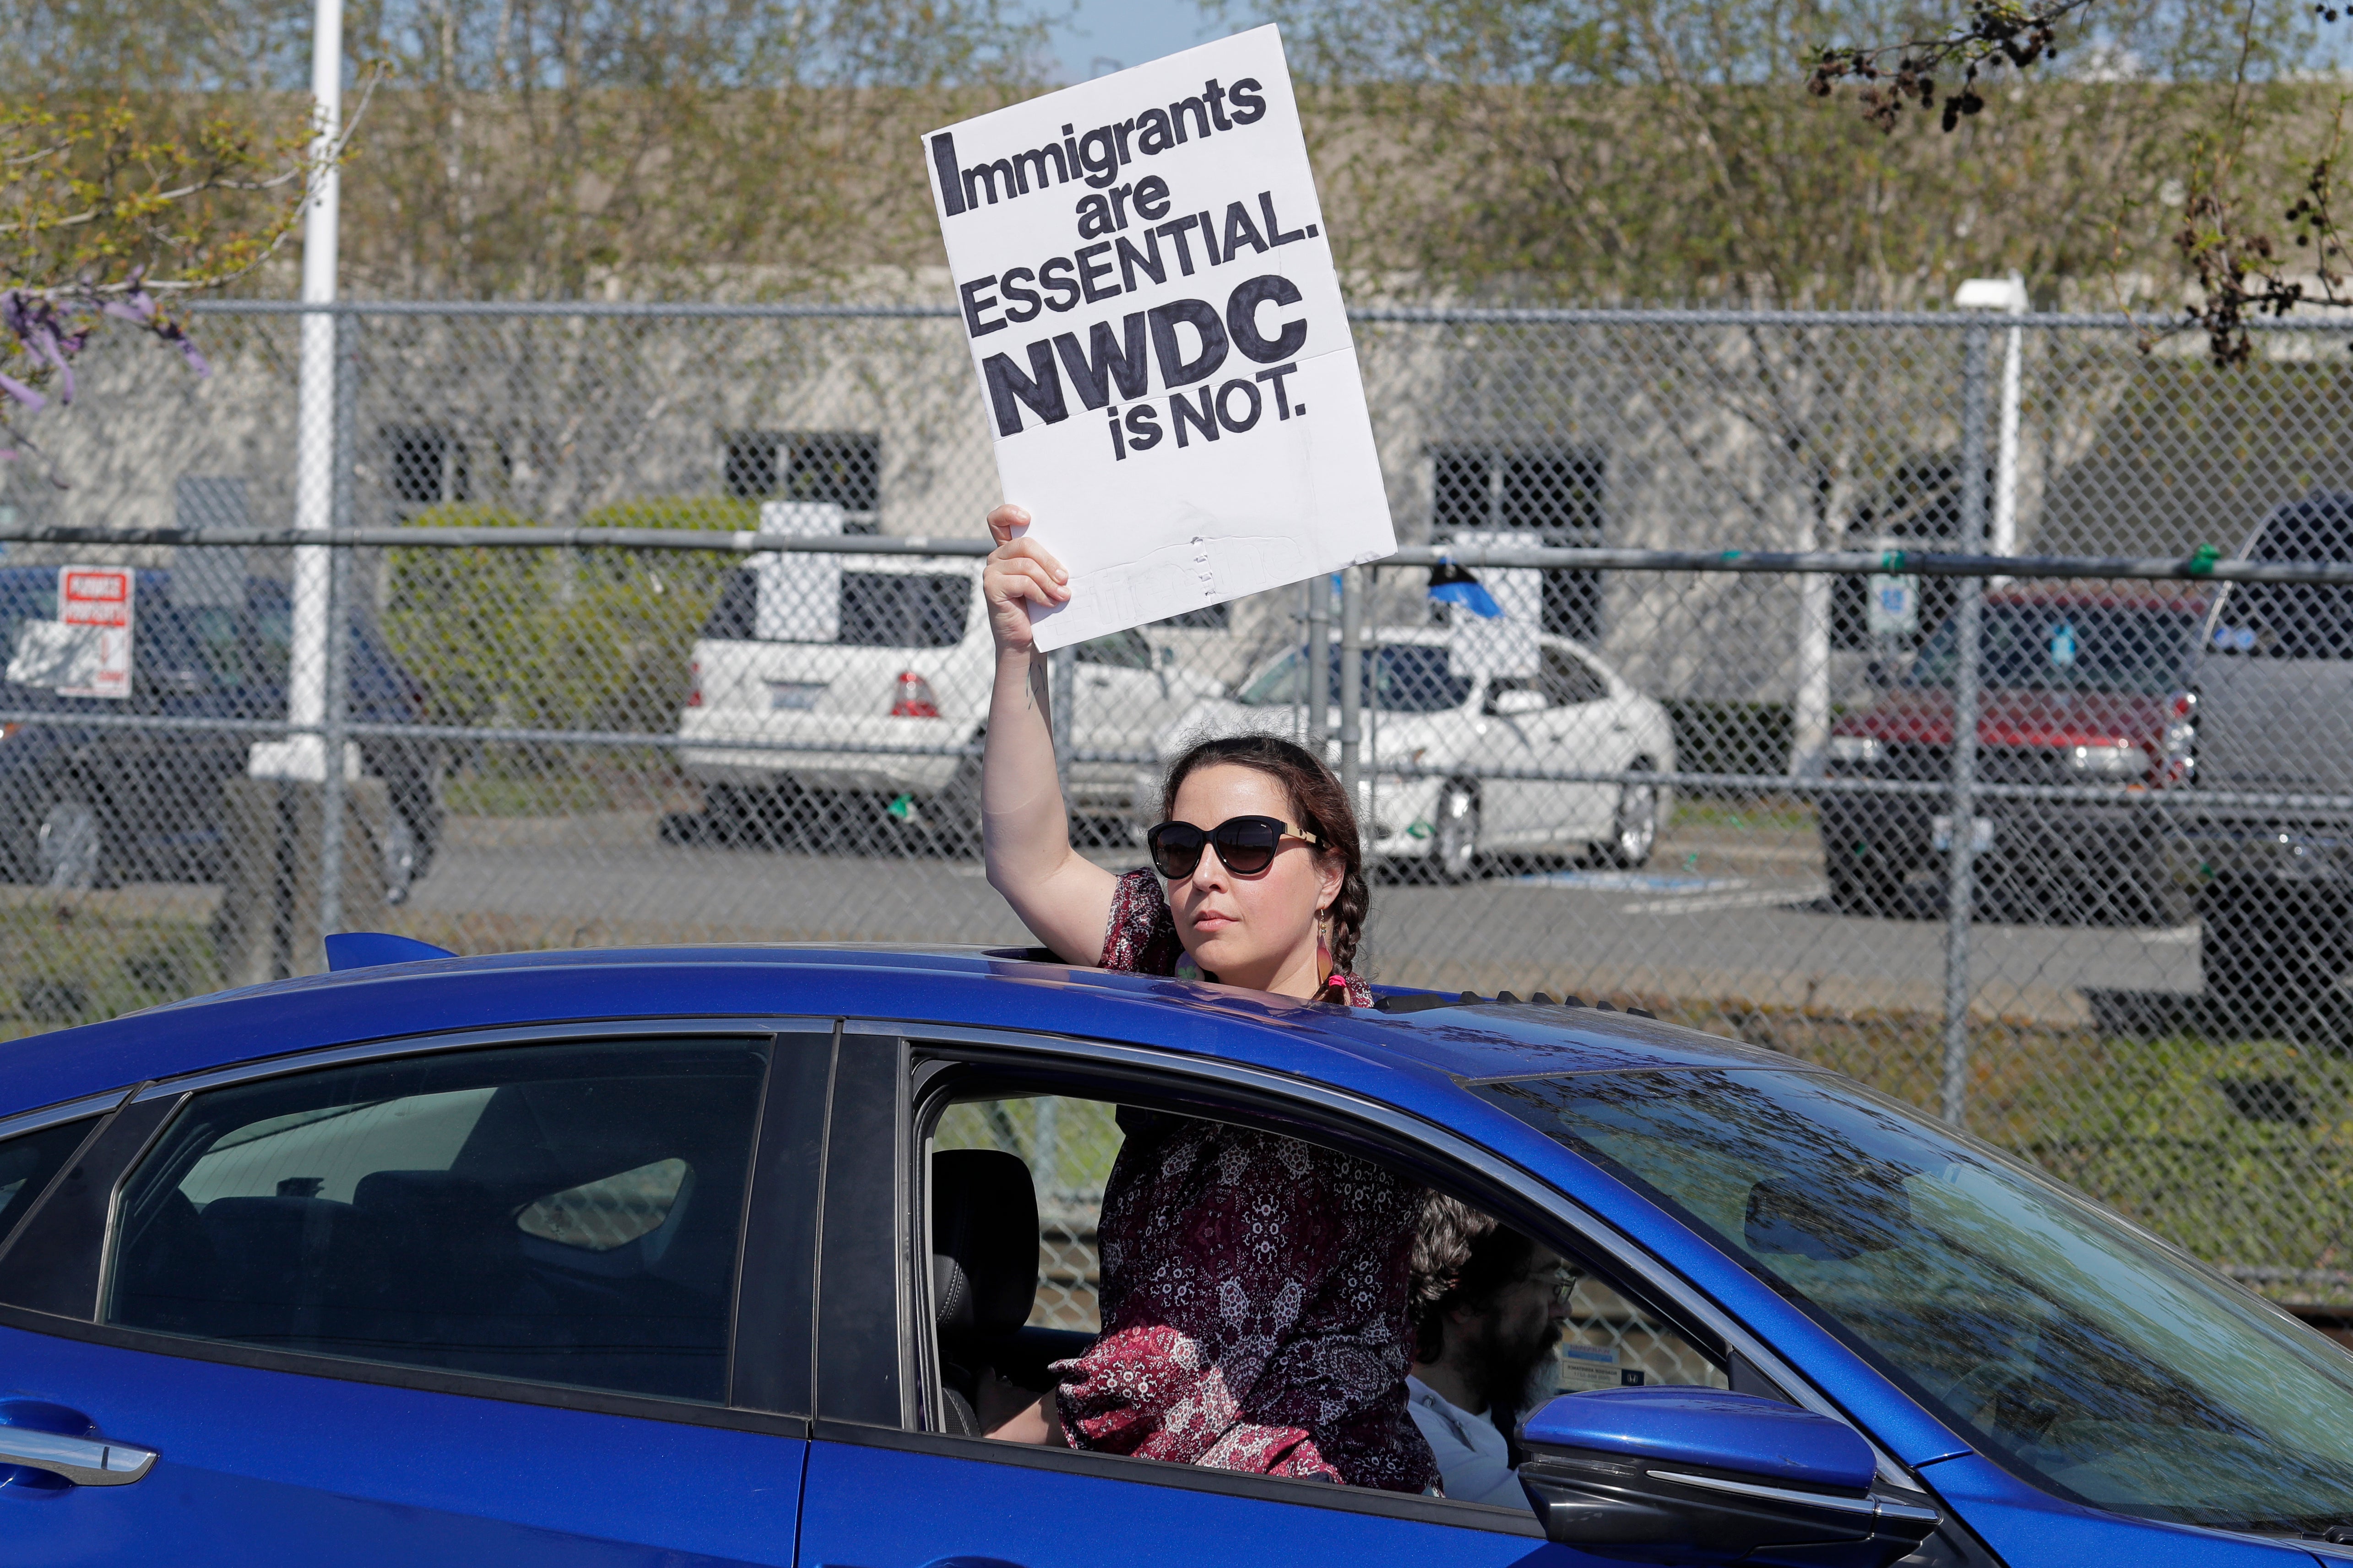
(1122, 650)
(1281, 684)
(27, 1162)
(1068, 1146)
(1567, 681)
(565, 1213)
(2083, 1353)
(2122, 650)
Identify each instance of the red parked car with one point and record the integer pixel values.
(2082, 685)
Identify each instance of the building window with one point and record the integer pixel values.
(1554, 494)
(424, 464)
(843, 467)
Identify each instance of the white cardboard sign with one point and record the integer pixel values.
(99, 597)
(1164, 354)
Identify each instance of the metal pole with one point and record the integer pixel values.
(1352, 680)
(1318, 734)
(315, 418)
(331, 732)
(2005, 482)
(1063, 695)
(1959, 885)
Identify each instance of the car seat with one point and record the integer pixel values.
(984, 1266)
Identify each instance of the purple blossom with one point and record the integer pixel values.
(52, 333)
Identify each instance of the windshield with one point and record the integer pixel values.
(2128, 649)
(1406, 678)
(2084, 1354)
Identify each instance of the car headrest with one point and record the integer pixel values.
(984, 1218)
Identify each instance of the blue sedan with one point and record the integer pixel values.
(694, 1256)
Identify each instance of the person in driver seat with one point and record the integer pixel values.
(1487, 1308)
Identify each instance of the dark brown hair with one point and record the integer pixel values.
(1318, 804)
(1461, 1259)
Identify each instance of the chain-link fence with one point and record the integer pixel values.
(661, 624)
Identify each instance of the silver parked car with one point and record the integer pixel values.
(1484, 751)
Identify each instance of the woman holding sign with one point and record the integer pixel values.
(1257, 879)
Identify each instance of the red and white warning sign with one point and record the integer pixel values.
(98, 598)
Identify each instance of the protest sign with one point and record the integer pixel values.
(1149, 296)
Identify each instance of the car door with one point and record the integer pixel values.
(1579, 729)
(891, 1487)
(1502, 750)
(475, 1299)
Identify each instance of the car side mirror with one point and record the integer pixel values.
(1511, 703)
(1701, 1476)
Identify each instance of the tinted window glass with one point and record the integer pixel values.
(733, 618)
(26, 1163)
(2080, 1353)
(1404, 677)
(901, 609)
(1122, 650)
(1569, 681)
(2128, 649)
(562, 1213)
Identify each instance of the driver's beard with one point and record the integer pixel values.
(1507, 1370)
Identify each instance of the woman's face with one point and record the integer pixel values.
(1250, 930)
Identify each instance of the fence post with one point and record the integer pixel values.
(1352, 680)
(332, 731)
(1960, 887)
(1319, 663)
(1062, 668)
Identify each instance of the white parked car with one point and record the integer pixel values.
(1470, 740)
(880, 690)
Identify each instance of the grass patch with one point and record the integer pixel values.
(516, 782)
(1771, 815)
(81, 959)
(2240, 1151)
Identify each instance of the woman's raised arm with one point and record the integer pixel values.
(1062, 897)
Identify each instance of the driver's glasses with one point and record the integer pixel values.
(1247, 844)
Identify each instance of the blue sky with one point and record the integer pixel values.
(1109, 34)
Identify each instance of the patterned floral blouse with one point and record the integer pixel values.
(1254, 1287)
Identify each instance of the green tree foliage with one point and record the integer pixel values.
(558, 639)
(1631, 149)
(541, 148)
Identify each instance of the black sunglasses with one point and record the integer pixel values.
(1246, 844)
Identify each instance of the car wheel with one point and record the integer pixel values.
(1863, 885)
(1454, 847)
(1634, 828)
(2270, 962)
(68, 845)
(952, 815)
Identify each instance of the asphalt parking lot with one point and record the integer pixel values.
(1719, 913)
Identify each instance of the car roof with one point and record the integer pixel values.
(1386, 1055)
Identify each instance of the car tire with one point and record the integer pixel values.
(952, 814)
(2271, 963)
(1634, 823)
(1863, 886)
(1454, 844)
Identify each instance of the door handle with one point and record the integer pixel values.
(87, 1461)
